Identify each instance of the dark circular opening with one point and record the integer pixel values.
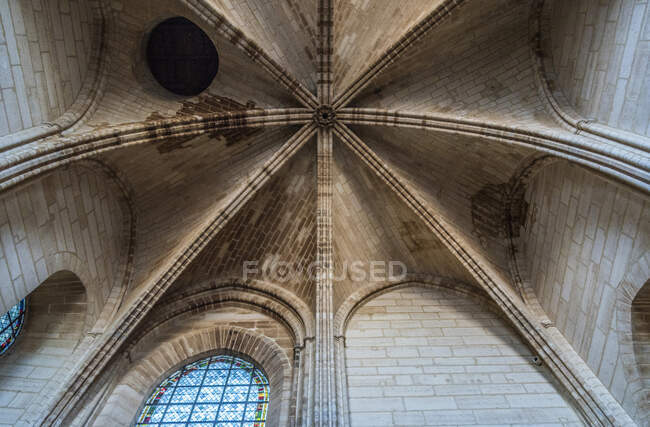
(182, 57)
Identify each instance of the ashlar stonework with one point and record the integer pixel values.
(496, 153)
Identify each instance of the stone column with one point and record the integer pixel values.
(324, 117)
(325, 23)
(325, 399)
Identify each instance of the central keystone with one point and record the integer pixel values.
(324, 116)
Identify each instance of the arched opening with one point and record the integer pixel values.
(580, 245)
(66, 249)
(11, 325)
(62, 82)
(573, 35)
(641, 344)
(58, 315)
(219, 388)
(432, 355)
(161, 349)
(181, 57)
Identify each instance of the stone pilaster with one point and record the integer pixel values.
(325, 401)
(324, 117)
(325, 24)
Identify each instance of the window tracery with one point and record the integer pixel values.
(215, 391)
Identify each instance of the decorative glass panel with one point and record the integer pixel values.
(215, 391)
(11, 323)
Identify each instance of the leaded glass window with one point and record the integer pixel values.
(11, 323)
(223, 391)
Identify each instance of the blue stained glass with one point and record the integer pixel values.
(185, 395)
(240, 377)
(6, 335)
(216, 377)
(210, 394)
(155, 412)
(192, 378)
(220, 363)
(197, 395)
(176, 413)
(232, 412)
(204, 413)
(251, 412)
(235, 394)
(11, 323)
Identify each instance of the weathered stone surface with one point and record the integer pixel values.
(455, 164)
(443, 358)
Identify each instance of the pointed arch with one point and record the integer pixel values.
(633, 331)
(60, 313)
(57, 73)
(140, 377)
(445, 351)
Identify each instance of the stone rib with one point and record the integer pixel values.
(128, 321)
(325, 49)
(32, 160)
(412, 36)
(325, 408)
(621, 162)
(595, 403)
(239, 39)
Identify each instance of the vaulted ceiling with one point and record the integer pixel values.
(360, 130)
(453, 109)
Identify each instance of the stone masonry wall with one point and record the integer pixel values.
(364, 30)
(600, 53)
(641, 338)
(132, 94)
(428, 356)
(483, 71)
(56, 318)
(44, 53)
(183, 338)
(71, 219)
(581, 236)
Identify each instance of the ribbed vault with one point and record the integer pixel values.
(287, 31)
(366, 232)
(471, 69)
(336, 131)
(363, 30)
(186, 181)
(435, 163)
(277, 226)
(131, 94)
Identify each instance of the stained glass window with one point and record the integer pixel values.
(223, 391)
(11, 323)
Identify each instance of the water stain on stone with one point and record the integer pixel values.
(415, 237)
(489, 216)
(173, 144)
(206, 105)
